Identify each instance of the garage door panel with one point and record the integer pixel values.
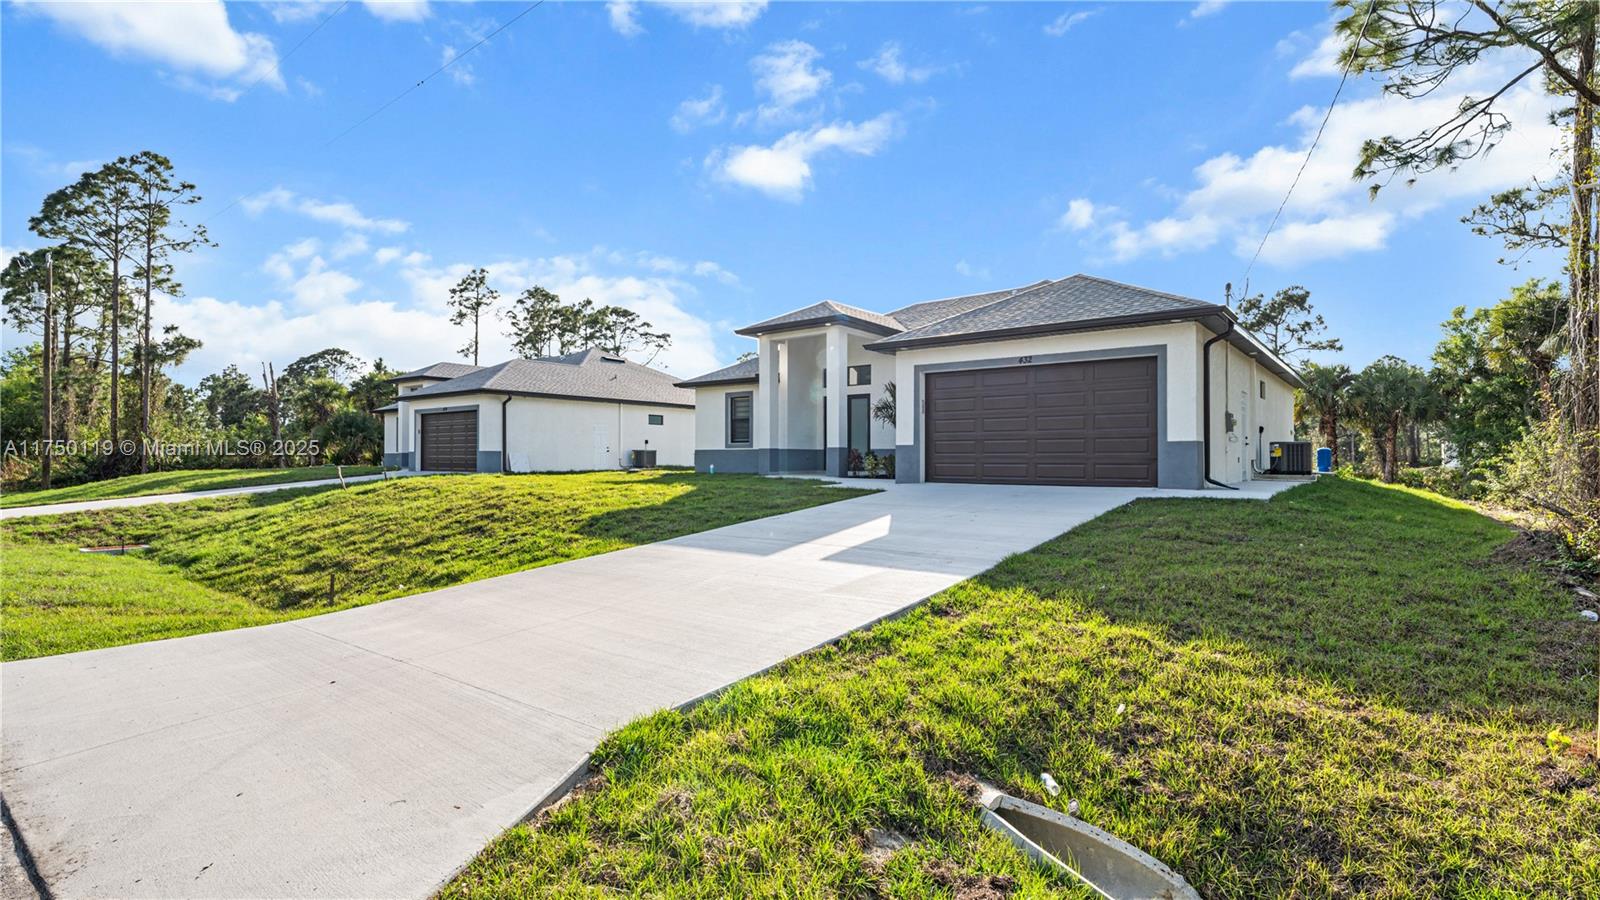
(1062, 423)
(1000, 378)
(450, 441)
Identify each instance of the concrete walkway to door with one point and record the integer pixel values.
(374, 751)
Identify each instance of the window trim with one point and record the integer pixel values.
(727, 420)
(655, 419)
(850, 376)
(1263, 389)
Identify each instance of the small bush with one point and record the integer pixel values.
(1457, 482)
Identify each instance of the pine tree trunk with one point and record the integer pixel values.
(1584, 309)
(116, 338)
(47, 365)
(144, 365)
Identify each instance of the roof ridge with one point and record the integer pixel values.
(1014, 292)
(1139, 287)
(1019, 292)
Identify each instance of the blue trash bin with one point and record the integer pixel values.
(1324, 459)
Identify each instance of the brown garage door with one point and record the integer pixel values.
(1069, 423)
(450, 441)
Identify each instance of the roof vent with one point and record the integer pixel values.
(613, 359)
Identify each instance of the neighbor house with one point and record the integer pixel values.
(581, 411)
(1076, 381)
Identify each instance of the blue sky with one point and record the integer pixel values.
(713, 165)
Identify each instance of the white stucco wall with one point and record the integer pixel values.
(1237, 385)
(1181, 341)
(552, 435)
(711, 413)
(883, 373)
(391, 432)
(549, 435)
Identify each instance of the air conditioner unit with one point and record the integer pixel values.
(1291, 458)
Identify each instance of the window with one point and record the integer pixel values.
(1263, 390)
(860, 375)
(739, 425)
(656, 419)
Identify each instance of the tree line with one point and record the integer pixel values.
(540, 324)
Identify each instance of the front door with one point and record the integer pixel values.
(860, 416)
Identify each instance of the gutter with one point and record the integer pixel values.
(1205, 385)
(505, 438)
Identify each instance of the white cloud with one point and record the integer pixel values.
(1326, 238)
(1079, 215)
(624, 18)
(1207, 8)
(699, 111)
(398, 10)
(193, 38)
(1322, 61)
(351, 244)
(1329, 215)
(891, 67)
(1067, 20)
(787, 75)
(337, 213)
(967, 270)
(783, 170)
(715, 14)
(460, 73)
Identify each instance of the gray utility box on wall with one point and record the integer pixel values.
(642, 459)
(1291, 458)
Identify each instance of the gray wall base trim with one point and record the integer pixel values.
(737, 462)
(907, 463)
(488, 460)
(776, 460)
(398, 460)
(838, 461)
(1180, 464)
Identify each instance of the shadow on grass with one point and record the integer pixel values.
(1382, 591)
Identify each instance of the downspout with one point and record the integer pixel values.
(505, 438)
(1205, 379)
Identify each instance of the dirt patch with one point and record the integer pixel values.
(1557, 779)
(965, 886)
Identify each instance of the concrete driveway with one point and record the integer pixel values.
(372, 752)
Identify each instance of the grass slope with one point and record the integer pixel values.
(246, 560)
(1342, 692)
(180, 482)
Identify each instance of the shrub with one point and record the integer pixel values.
(1540, 471)
(1458, 482)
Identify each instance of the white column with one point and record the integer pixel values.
(837, 362)
(767, 409)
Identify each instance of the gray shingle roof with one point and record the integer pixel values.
(742, 371)
(826, 312)
(439, 371)
(1080, 299)
(919, 314)
(585, 375)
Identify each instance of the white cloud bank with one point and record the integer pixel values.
(713, 14)
(193, 38)
(333, 212)
(783, 170)
(1329, 215)
(787, 75)
(890, 65)
(697, 112)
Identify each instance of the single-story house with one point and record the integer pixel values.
(581, 411)
(1080, 381)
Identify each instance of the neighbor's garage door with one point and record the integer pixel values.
(450, 441)
(1071, 423)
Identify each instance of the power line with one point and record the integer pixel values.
(1344, 75)
(396, 98)
(447, 64)
(298, 44)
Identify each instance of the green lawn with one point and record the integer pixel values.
(1345, 691)
(227, 562)
(179, 482)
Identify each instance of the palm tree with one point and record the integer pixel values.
(1324, 398)
(1381, 397)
